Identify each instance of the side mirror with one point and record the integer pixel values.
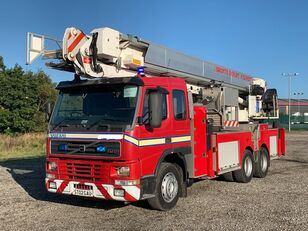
(155, 109)
(48, 111)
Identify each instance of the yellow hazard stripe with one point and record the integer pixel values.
(137, 142)
(156, 141)
(180, 139)
(131, 139)
(152, 142)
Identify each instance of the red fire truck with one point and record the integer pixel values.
(140, 121)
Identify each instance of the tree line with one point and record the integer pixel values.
(24, 96)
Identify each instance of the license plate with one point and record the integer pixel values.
(83, 193)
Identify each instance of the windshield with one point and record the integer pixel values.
(107, 108)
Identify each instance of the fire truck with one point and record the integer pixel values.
(140, 121)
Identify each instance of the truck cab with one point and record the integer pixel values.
(108, 138)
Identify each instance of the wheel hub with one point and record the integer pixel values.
(248, 167)
(169, 187)
(263, 163)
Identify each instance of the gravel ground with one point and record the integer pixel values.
(278, 202)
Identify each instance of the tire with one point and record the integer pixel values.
(228, 176)
(262, 163)
(244, 175)
(168, 186)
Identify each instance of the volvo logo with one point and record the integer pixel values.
(82, 148)
(57, 135)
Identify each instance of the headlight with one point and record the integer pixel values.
(123, 171)
(119, 192)
(52, 166)
(53, 185)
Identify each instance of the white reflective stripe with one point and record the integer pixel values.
(67, 188)
(156, 141)
(86, 136)
(110, 190)
(134, 191)
(58, 183)
(96, 191)
(231, 123)
(137, 142)
(110, 136)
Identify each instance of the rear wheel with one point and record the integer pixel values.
(262, 163)
(228, 176)
(244, 175)
(167, 189)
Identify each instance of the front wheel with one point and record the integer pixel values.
(167, 189)
(244, 175)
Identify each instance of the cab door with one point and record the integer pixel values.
(180, 118)
(153, 142)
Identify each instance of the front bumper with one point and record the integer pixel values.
(96, 190)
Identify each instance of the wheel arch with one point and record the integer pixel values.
(265, 146)
(249, 148)
(176, 158)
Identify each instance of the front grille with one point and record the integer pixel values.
(89, 148)
(80, 171)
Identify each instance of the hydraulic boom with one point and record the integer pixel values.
(106, 53)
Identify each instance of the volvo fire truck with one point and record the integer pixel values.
(140, 121)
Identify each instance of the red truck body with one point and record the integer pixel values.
(187, 143)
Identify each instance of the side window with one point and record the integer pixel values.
(179, 104)
(145, 113)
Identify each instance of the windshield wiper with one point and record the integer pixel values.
(61, 125)
(102, 121)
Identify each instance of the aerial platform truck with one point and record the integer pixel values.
(140, 121)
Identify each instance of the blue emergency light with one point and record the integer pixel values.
(101, 148)
(140, 70)
(62, 147)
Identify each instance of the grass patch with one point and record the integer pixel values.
(23, 146)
